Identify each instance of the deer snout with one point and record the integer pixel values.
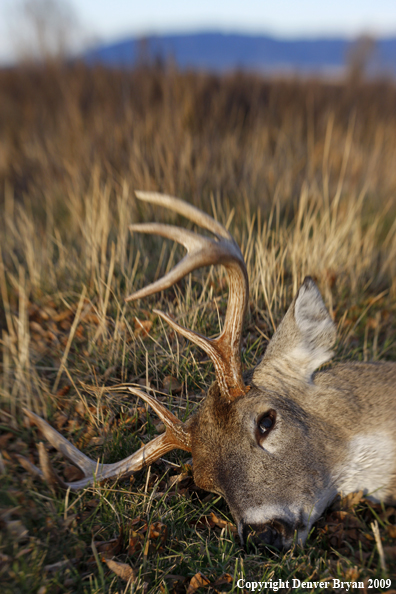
(276, 533)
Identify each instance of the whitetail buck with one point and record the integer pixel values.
(280, 441)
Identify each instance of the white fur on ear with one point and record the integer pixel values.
(304, 339)
(317, 329)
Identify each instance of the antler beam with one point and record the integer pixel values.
(176, 436)
(204, 251)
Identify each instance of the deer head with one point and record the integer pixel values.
(266, 441)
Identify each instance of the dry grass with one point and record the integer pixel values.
(303, 174)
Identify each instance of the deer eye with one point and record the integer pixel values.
(265, 423)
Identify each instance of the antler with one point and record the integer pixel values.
(223, 350)
(204, 251)
(176, 436)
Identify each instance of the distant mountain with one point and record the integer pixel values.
(223, 52)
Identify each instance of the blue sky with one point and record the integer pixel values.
(114, 19)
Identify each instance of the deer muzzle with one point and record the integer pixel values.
(275, 533)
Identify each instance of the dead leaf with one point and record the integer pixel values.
(351, 500)
(17, 530)
(123, 570)
(137, 535)
(177, 585)
(143, 382)
(177, 479)
(160, 427)
(6, 455)
(4, 439)
(111, 547)
(73, 425)
(40, 346)
(171, 385)
(331, 276)
(38, 328)
(142, 327)
(158, 532)
(63, 391)
(80, 331)
(51, 477)
(91, 318)
(223, 523)
(152, 537)
(203, 522)
(387, 513)
(18, 446)
(352, 574)
(71, 521)
(65, 325)
(142, 414)
(139, 520)
(359, 555)
(136, 541)
(64, 315)
(343, 517)
(72, 473)
(27, 465)
(50, 522)
(198, 581)
(226, 578)
(48, 312)
(52, 336)
(109, 372)
(98, 440)
(79, 550)
(391, 530)
(373, 322)
(81, 409)
(60, 419)
(390, 552)
(55, 566)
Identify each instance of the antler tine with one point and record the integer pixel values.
(201, 251)
(176, 436)
(204, 251)
(186, 210)
(175, 427)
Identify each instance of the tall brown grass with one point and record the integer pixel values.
(306, 169)
(192, 134)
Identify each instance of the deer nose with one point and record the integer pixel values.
(265, 534)
(268, 535)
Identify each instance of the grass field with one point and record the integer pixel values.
(303, 174)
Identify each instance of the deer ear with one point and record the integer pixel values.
(304, 338)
